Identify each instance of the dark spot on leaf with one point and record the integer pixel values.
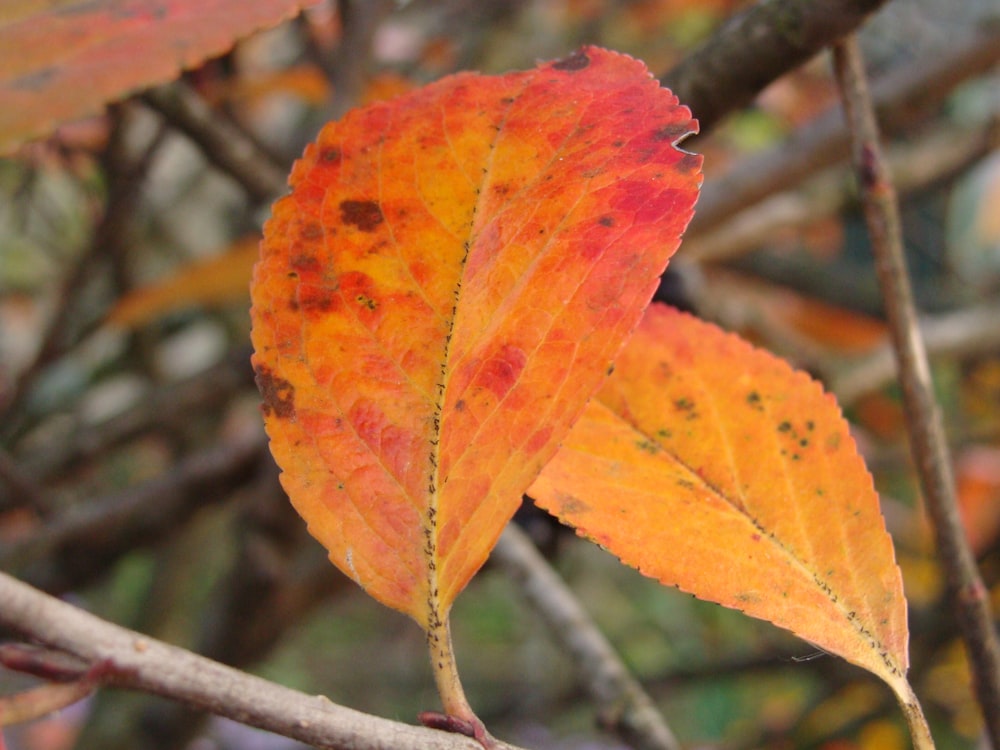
(316, 298)
(606, 221)
(329, 154)
(507, 100)
(278, 393)
(572, 505)
(312, 231)
(785, 426)
(647, 446)
(576, 61)
(34, 81)
(689, 163)
(672, 132)
(365, 215)
(365, 301)
(611, 369)
(460, 405)
(304, 262)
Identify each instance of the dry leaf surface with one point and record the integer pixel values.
(717, 468)
(64, 59)
(443, 290)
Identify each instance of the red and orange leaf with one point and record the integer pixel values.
(715, 467)
(64, 59)
(444, 289)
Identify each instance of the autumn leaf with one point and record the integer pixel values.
(64, 59)
(213, 281)
(445, 287)
(715, 467)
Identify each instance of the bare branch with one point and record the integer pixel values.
(958, 334)
(939, 154)
(622, 704)
(131, 660)
(969, 596)
(221, 142)
(74, 547)
(756, 47)
(899, 98)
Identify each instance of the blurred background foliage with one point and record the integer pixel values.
(134, 479)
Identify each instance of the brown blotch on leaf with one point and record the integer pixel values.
(672, 132)
(317, 298)
(278, 393)
(329, 154)
(34, 81)
(365, 215)
(606, 221)
(576, 61)
(304, 262)
(312, 231)
(689, 163)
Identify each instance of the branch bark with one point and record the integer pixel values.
(129, 659)
(936, 156)
(969, 596)
(221, 142)
(622, 704)
(71, 549)
(958, 334)
(900, 97)
(756, 47)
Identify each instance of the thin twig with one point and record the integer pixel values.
(125, 658)
(221, 142)
(969, 597)
(73, 548)
(957, 334)
(167, 404)
(899, 95)
(622, 704)
(757, 46)
(936, 156)
(125, 172)
(22, 487)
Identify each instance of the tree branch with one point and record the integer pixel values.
(756, 47)
(129, 659)
(936, 156)
(969, 596)
(220, 141)
(958, 334)
(899, 97)
(72, 548)
(622, 704)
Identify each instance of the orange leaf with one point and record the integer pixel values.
(443, 290)
(63, 59)
(216, 280)
(715, 467)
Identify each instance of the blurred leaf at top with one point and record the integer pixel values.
(63, 59)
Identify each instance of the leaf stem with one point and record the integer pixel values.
(458, 715)
(920, 732)
(969, 596)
